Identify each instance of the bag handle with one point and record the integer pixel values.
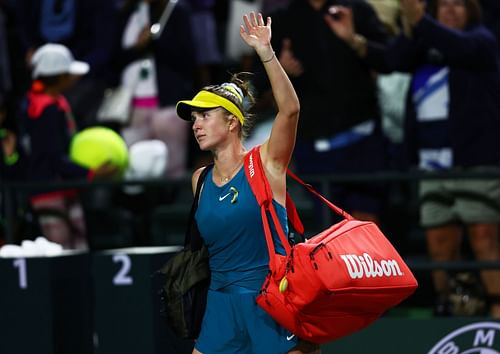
(192, 237)
(310, 188)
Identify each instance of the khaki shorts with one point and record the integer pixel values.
(460, 200)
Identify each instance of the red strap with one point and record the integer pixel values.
(293, 215)
(332, 206)
(256, 177)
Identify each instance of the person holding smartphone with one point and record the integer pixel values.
(451, 125)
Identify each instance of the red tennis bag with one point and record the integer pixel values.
(333, 284)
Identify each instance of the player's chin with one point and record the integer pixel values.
(204, 146)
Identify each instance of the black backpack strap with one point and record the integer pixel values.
(192, 238)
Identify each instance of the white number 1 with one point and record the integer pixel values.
(20, 263)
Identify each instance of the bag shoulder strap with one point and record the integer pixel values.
(259, 184)
(262, 189)
(257, 178)
(192, 237)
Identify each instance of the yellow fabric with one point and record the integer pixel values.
(206, 99)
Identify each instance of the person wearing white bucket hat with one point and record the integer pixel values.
(47, 126)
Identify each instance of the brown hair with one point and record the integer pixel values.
(245, 105)
(472, 8)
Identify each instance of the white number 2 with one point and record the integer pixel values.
(20, 263)
(122, 277)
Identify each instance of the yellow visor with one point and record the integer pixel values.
(206, 99)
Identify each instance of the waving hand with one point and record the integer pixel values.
(257, 33)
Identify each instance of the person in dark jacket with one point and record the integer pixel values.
(340, 127)
(156, 62)
(453, 120)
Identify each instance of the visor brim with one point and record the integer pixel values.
(184, 108)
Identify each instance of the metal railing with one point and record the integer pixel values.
(322, 182)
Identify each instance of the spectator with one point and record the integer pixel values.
(47, 126)
(340, 119)
(86, 28)
(204, 29)
(392, 87)
(159, 71)
(462, 55)
(453, 61)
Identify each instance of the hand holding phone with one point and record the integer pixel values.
(334, 12)
(341, 22)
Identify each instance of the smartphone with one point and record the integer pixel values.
(334, 12)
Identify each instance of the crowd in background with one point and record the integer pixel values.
(375, 79)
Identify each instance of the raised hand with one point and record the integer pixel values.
(257, 34)
(340, 21)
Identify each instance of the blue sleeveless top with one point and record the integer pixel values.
(230, 224)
